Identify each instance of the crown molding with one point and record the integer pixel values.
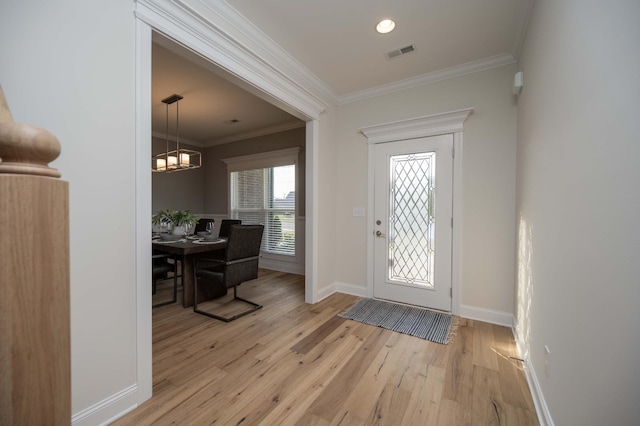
(212, 30)
(257, 133)
(525, 8)
(432, 77)
(272, 52)
(218, 32)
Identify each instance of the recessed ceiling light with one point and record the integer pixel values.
(385, 26)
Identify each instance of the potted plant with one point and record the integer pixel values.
(176, 221)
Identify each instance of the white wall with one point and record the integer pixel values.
(488, 222)
(69, 67)
(578, 208)
(216, 186)
(71, 71)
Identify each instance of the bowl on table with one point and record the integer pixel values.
(169, 237)
(203, 233)
(209, 237)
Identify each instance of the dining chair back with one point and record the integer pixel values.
(238, 264)
(201, 226)
(225, 225)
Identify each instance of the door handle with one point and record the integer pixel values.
(379, 234)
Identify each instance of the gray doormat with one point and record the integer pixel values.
(423, 323)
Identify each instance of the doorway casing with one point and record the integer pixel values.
(179, 22)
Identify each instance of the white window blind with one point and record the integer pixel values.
(267, 196)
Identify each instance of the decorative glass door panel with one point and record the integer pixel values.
(412, 221)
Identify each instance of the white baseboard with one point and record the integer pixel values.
(542, 410)
(340, 287)
(323, 293)
(465, 311)
(355, 290)
(109, 409)
(471, 312)
(486, 315)
(282, 266)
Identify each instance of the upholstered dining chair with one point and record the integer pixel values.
(223, 232)
(226, 224)
(201, 226)
(161, 267)
(238, 264)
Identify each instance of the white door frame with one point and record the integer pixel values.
(198, 32)
(394, 289)
(431, 125)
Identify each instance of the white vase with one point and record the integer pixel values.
(178, 230)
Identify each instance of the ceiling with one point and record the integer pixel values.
(337, 42)
(213, 110)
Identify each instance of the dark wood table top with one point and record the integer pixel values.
(189, 247)
(186, 250)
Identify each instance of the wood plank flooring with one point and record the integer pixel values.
(296, 364)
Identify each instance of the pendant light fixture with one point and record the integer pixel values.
(177, 159)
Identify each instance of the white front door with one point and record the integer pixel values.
(413, 197)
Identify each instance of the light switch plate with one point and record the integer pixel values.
(358, 212)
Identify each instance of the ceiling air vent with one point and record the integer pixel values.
(402, 51)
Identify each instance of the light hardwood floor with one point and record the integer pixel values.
(296, 364)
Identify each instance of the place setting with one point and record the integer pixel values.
(205, 237)
(168, 238)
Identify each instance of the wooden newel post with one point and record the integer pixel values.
(35, 370)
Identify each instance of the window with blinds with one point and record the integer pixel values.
(267, 196)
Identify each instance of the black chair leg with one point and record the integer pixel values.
(254, 306)
(175, 292)
(175, 288)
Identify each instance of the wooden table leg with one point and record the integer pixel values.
(205, 293)
(187, 281)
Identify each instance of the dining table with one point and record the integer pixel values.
(187, 250)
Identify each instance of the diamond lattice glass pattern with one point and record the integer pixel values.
(412, 221)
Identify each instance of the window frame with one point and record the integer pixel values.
(263, 160)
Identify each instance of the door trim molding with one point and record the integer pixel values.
(437, 124)
(419, 127)
(201, 34)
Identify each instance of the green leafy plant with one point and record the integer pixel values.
(174, 217)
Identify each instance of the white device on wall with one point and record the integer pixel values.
(518, 82)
